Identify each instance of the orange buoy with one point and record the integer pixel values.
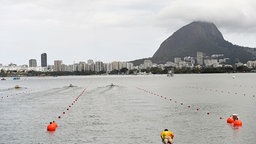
(51, 127)
(238, 123)
(230, 120)
(55, 124)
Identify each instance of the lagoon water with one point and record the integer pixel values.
(133, 111)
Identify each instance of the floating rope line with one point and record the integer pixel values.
(15, 94)
(73, 102)
(197, 108)
(236, 123)
(221, 91)
(53, 125)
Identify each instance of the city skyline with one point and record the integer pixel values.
(33, 62)
(45, 62)
(98, 67)
(114, 30)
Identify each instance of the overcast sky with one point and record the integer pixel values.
(111, 30)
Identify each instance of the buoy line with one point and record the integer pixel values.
(53, 125)
(221, 91)
(170, 99)
(247, 86)
(14, 94)
(73, 102)
(234, 123)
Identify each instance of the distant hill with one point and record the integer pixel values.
(200, 36)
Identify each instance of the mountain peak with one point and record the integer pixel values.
(207, 29)
(198, 36)
(198, 30)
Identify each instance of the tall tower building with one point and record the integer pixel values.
(200, 58)
(32, 63)
(98, 66)
(43, 60)
(90, 65)
(57, 65)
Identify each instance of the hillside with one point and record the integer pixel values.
(200, 36)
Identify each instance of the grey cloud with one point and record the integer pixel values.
(234, 18)
(77, 29)
(232, 15)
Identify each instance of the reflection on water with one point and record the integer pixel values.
(129, 109)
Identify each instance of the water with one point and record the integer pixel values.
(131, 112)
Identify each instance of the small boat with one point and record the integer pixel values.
(16, 78)
(170, 74)
(3, 79)
(17, 86)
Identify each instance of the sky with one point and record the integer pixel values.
(111, 30)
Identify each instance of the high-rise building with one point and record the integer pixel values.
(32, 63)
(109, 67)
(99, 66)
(129, 66)
(115, 65)
(43, 60)
(200, 58)
(57, 65)
(81, 66)
(90, 66)
(148, 63)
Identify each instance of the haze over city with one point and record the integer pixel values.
(111, 30)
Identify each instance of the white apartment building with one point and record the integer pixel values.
(200, 58)
(211, 62)
(251, 64)
(81, 66)
(129, 66)
(115, 65)
(109, 67)
(177, 60)
(99, 66)
(147, 64)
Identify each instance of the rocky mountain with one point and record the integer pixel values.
(204, 37)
